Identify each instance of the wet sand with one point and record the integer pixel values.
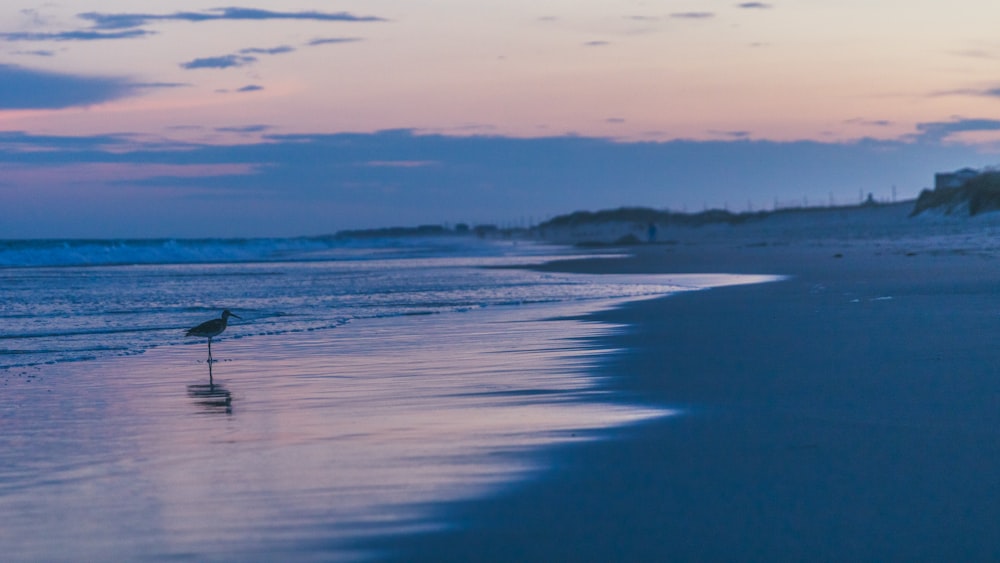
(849, 412)
(306, 444)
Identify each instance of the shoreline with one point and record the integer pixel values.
(848, 412)
(314, 441)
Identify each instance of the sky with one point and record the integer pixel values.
(189, 118)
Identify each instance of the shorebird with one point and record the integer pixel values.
(211, 329)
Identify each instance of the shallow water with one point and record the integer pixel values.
(56, 310)
(323, 425)
(305, 444)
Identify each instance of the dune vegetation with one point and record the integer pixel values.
(977, 195)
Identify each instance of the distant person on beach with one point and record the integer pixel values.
(651, 232)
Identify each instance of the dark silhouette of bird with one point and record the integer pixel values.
(211, 329)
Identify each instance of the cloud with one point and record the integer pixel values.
(272, 51)
(244, 129)
(987, 54)
(132, 20)
(250, 88)
(331, 41)
(993, 92)
(596, 44)
(242, 58)
(162, 84)
(615, 120)
(25, 88)
(869, 122)
(225, 61)
(122, 173)
(693, 15)
(939, 131)
(34, 17)
(754, 5)
(63, 148)
(311, 184)
(83, 35)
(730, 134)
(37, 53)
(112, 26)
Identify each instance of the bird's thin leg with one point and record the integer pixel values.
(210, 382)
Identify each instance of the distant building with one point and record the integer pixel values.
(945, 180)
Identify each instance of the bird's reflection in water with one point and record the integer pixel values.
(212, 398)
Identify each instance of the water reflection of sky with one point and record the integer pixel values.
(327, 437)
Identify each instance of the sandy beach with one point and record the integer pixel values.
(843, 407)
(847, 413)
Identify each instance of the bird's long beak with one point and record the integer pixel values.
(237, 316)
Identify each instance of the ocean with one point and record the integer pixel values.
(367, 385)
